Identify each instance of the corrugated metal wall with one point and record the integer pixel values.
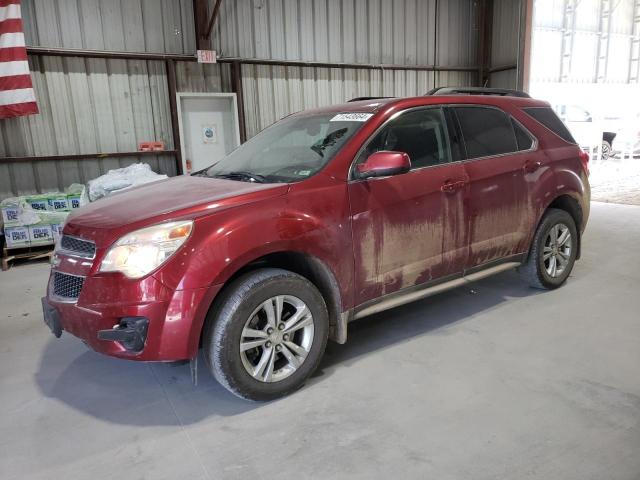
(90, 105)
(271, 92)
(350, 31)
(197, 77)
(505, 42)
(505, 79)
(401, 32)
(129, 25)
(87, 106)
(98, 105)
(95, 106)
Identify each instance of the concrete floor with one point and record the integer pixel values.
(496, 382)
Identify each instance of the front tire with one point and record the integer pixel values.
(266, 334)
(553, 251)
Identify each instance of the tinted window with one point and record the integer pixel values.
(486, 131)
(421, 134)
(547, 117)
(525, 142)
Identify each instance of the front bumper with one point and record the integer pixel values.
(175, 318)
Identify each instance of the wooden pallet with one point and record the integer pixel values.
(25, 253)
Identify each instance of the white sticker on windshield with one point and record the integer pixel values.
(352, 117)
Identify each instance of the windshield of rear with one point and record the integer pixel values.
(290, 150)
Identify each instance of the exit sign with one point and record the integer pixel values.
(206, 56)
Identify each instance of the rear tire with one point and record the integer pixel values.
(553, 251)
(606, 150)
(266, 334)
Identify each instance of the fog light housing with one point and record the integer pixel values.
(130, 332)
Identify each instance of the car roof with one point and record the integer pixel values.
(373, 105)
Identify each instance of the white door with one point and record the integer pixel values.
(208, 128)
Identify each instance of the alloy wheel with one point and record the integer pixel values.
(276, 338)
(556, 253)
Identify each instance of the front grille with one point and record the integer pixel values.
(67, 286)
(78, 247)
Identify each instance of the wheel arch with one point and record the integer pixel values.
(570, 205)
(307, 266)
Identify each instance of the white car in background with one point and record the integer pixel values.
(590, 132)
(628, 138)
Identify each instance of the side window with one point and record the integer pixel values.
(421, 134)
(549, 119)
(525, 142)
(486, 131)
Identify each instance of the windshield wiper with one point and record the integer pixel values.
(318, 149)
(328, 141)
(243, 176)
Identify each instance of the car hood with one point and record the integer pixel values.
(172, 198)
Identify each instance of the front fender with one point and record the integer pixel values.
(309, 221)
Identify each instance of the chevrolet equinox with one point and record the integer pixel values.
(325, 217)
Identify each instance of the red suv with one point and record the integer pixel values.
(325, 217)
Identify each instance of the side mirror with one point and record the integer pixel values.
(383, 164)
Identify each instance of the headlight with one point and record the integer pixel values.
(139, 253)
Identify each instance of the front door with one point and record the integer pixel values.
(409, 229)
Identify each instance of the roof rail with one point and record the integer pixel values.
(357, 99)
(503, 92)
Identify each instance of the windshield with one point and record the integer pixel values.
(290, 150)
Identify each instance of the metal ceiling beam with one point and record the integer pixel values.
(237, 88)
(435, 41)
(524, 44)
(78, 52)
(85, 156)
(367, 66)
(73, 52)
(212, 20)
(173, 108)
(485, 36)
(200, 23)
(503, 68)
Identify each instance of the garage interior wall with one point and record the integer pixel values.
(106, 105)
(94, 105)
(398, 32)
(505, 43)
(272, 92)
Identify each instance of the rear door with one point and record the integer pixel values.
(409, 229)
(497, 206)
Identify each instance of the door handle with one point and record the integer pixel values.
(530, 167)
(451, 186)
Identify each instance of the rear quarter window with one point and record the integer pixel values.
(547, 117)
(486, 131)
(525, 142)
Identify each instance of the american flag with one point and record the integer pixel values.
(16, 90)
